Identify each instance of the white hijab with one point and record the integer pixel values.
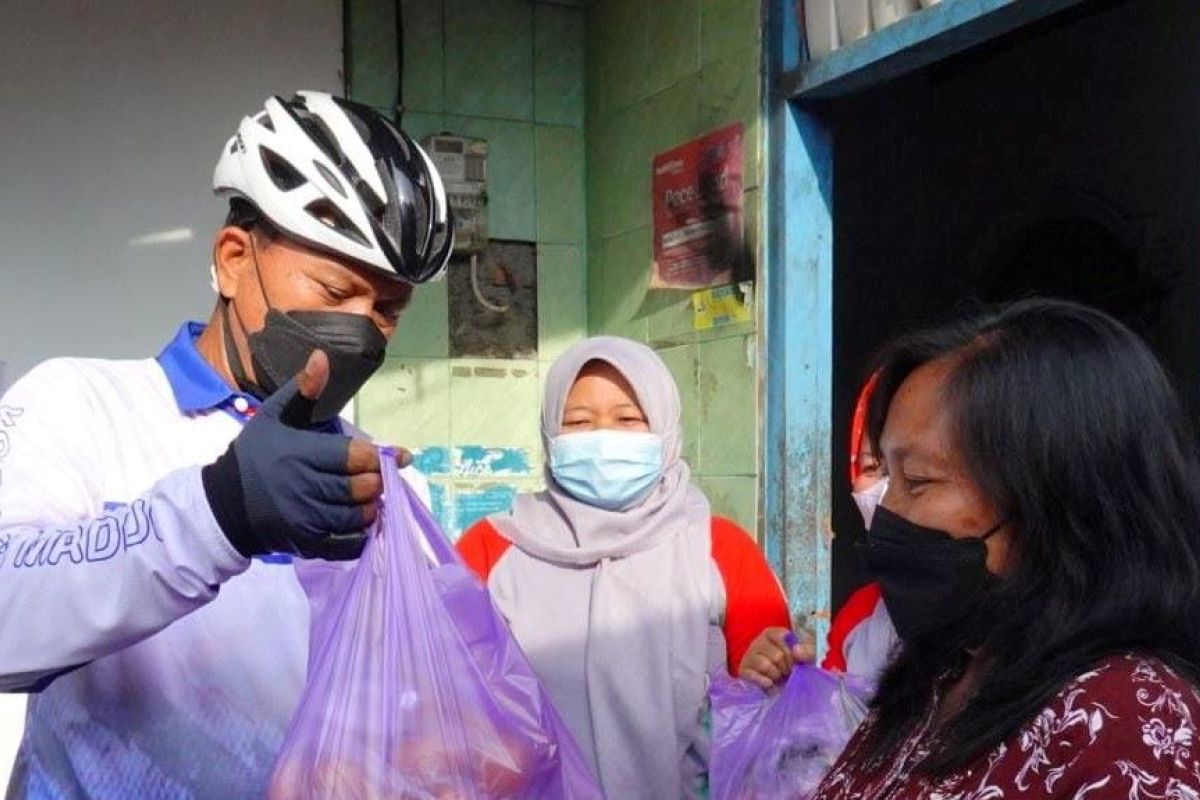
(647, 645)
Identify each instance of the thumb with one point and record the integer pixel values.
(312, 380)
(293, 403)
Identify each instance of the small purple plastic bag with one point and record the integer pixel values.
(780, 744)
(416, 687)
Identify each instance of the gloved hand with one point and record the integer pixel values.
(283, 488)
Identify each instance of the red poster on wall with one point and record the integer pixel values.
(698, 211)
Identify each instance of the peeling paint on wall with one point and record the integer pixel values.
(471, 460)
(474, 504)
(431, 461)
(458, 505)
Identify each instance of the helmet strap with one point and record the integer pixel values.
(232, 355)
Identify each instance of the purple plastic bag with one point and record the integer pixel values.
(779, 744)
(416, 687)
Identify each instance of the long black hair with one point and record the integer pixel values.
(1071, 428)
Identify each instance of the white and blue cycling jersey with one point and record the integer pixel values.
(163, 664)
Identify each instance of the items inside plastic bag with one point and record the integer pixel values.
(416, 688)
(780, 744)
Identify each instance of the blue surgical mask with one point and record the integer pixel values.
(607, 469)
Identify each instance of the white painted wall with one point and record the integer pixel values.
(114, 112)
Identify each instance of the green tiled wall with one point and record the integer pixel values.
(559, 183)
(406, 402)
(558, 65)
(488, 64)
(512, 72)
(659, 74)
(512, 212)
(564, 287)
(525, 74)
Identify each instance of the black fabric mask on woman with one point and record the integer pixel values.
(930, 579)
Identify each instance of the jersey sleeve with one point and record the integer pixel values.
(481, 547)
(754, 600)
(855, 612)
(79, 580)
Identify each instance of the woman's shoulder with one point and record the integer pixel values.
(1124, 728)
(861, 636)
(728, 535)
(1137, 683)
(1148, 690)
(1126, 701)
(734, 550)
(1128, 721)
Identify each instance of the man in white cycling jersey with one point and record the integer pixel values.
(153, 513)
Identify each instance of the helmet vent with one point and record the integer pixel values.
(317, 131)
(332, 217)
(283, 175)
(330, 178)
(341, 177)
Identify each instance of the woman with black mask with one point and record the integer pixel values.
(1039, 552)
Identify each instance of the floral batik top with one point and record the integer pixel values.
(1125, 729)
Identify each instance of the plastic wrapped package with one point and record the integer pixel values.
(416, 688)
(780, 743)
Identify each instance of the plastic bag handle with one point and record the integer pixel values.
(427, 528)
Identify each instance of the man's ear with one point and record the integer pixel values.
(233, 259)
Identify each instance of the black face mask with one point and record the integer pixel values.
(354, 344)
(930, 580)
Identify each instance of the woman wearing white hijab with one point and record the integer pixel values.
(619, 583)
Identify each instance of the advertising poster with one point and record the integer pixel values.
(698, 211)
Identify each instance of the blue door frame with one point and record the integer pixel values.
(798, 258)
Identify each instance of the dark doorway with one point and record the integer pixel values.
(1074, 258)
(1035, 166)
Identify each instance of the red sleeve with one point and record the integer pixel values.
(754, 599)
(481, 547)
(859, 607)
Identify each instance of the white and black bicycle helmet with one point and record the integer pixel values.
(339, 176)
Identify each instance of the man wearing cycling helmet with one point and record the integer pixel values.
(150, 511)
